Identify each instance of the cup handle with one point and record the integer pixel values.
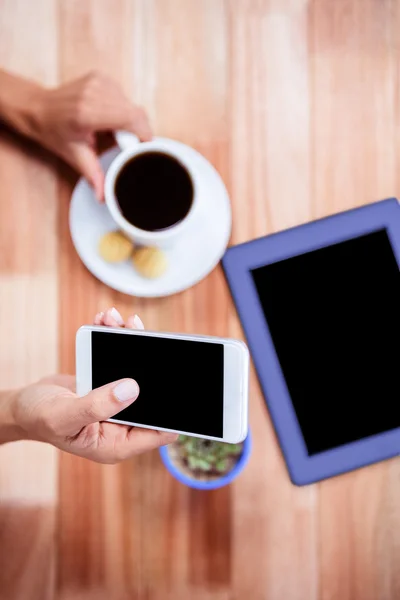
(126, 140)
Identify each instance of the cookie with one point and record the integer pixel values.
(150, 262)
(115, 247)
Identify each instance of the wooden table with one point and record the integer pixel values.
(296, 103)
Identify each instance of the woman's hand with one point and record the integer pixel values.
(69, 117)
(66, 119)
(50, 411)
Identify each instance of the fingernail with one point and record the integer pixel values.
(126, 390)
(116, 316)
(137, 321)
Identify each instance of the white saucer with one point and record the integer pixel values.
(191, 259)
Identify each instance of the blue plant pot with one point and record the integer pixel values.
(215, 483)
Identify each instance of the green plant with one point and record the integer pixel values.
(206, 456)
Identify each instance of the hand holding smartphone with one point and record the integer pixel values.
(195, 385)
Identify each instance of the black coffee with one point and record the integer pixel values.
(154, 191)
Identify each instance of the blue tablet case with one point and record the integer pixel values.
(238, 263)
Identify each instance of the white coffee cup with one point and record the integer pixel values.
(130, 147)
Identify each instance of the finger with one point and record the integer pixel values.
(112, 318)
(140, 125)
(117, 112)
(141, 440)
(85, 160)
(134, 322)
(98, 320)
(98, 405)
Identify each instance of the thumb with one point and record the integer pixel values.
(99, 404)
(85, 160)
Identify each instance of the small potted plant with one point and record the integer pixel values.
(205, 464)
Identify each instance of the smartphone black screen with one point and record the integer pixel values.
(334, 318)
(181, 381)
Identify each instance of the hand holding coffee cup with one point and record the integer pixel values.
(68, 118)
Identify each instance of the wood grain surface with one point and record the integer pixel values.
(297, 104)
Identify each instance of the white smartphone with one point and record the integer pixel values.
(190, 384)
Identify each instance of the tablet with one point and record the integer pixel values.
(320, 307)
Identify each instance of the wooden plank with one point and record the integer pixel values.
(28, 312)
(353, 48)
(275, 523)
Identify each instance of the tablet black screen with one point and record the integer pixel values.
(334, 317)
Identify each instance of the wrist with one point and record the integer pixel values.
(10, 431)
(20, 102)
